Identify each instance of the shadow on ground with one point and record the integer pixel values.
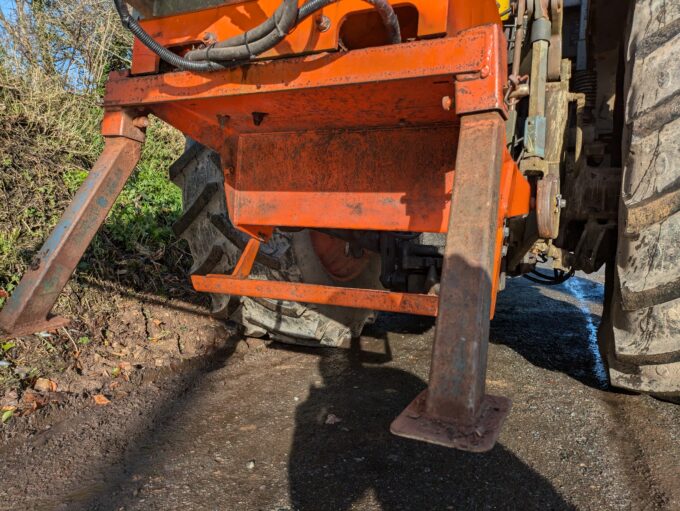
(553, 327)
(355, 463)
(358, 464)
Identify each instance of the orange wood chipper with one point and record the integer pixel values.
(353, 156)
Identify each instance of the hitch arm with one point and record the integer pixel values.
(27, 311)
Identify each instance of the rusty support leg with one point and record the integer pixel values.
(28, 309)
(454, 410)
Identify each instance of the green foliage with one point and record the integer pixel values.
(55, 59)
(150, 203)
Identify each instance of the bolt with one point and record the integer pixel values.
(506, 232)
(447, 103)
(561, 202)
(504, 251)
(209, 38)
(323, 23)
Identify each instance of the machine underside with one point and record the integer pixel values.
(447, 155)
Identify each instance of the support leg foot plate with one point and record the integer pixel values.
(414, 424)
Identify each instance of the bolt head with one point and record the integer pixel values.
(323, 23)
(209, 38)
(447, 103)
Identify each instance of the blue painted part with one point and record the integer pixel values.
(535, 136)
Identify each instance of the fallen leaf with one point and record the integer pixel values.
(101, 399)
(7, 414)
(45, 385)
(157, 322)
(32, 401)
(4, 294)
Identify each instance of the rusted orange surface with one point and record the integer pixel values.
(220, 23)
(343, 140)
(409, 303)
(375, 78)
(397, 180)
(515, 200)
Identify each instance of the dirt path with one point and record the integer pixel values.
(257, 427)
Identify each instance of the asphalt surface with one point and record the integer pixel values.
(258, 427)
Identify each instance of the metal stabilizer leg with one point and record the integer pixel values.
(454, 411)
(28, 309)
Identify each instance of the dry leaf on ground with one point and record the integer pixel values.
(45, 385)
(101, 399)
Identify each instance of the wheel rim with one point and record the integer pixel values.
(332, 253)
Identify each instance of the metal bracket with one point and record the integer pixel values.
(238, 284)
(28, 309)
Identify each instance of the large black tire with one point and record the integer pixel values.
(641, 327)
(216, 246)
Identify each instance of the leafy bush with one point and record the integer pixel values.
(54, 59)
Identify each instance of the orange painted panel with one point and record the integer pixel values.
(396, 180)
(226, 21)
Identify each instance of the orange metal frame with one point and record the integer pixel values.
(434, 18)
(332, 139)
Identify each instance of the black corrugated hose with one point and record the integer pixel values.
(240, 49)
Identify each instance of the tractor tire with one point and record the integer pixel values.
(640, 334)
(216, 246)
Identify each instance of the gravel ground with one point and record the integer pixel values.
(259, 426)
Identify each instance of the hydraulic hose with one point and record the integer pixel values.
(242, 48)
(251, 48)
(389, 18)
(171, 58)
(261, 30)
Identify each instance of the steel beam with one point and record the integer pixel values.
(405, 303)
(28, 309)
(454, 410)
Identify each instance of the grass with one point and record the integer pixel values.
(53, 64)
(149, 204)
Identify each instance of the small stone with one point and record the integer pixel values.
(332, 419)
(250, 465)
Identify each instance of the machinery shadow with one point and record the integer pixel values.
(554, 328)
(107, 485)
(357, 464)
(551, 327)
